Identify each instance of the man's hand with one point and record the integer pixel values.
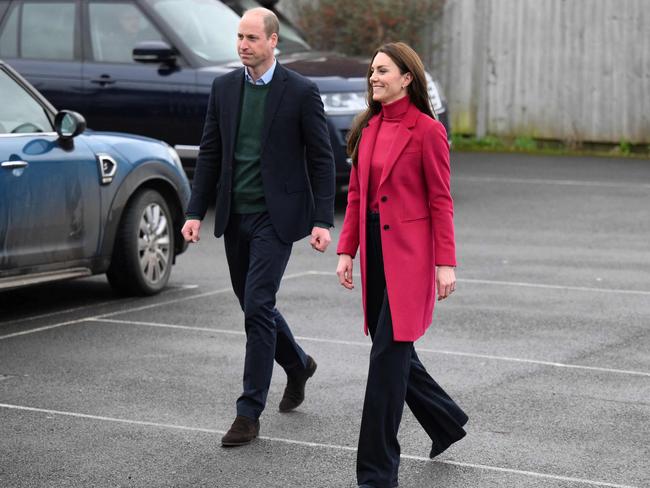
(445, 281)
(344, 271)
(191, 230)
(320, 238)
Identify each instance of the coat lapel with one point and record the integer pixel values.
(366, 148)
(273, 99)
(402, 138)
(231, 110)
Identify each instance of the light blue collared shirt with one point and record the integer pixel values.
(265, 79)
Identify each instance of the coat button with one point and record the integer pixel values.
(384, 198)
(386, 227)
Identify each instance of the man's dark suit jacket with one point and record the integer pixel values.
(296, 159)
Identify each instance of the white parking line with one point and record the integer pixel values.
(137, 309)
(315, 445)
(61, 312)
(525, 284)
(191, 297)
(542, 181)
(609, 291)
(368, 344)
(94, 317)
(41, 329)
(169, 289)
(543, 363)
(166, 302)
(332, 274)
(168, 326)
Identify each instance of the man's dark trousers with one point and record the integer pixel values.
(257, 258)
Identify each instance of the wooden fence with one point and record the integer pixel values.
(574, 70)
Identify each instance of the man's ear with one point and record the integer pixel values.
(274, 39)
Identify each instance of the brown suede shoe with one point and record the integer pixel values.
(294, 393)
(242, 431)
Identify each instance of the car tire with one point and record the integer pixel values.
(143, 252)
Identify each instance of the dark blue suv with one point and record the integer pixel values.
(146, 66)
(75, 203)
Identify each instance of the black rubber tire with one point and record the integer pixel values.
(125, 273)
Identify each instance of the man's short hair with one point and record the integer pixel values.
(271, 22)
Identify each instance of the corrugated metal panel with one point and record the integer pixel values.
(576, 70)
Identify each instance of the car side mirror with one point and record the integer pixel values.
(154, 52)
(69, 124)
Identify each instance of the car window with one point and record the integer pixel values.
(47, 30)
(208, 27)
(115, 29)
(19, 111)
(9, 36)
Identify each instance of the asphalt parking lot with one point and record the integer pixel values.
(545, 344)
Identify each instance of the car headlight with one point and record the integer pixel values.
(349, 103)
(175, 157)
(435, 94)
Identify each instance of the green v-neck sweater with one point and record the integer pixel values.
(247, 189)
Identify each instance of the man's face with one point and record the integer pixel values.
(253, 47)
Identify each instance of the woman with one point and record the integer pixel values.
(400, 216)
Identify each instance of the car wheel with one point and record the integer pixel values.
(144, 246)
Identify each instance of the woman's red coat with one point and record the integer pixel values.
(417, 230)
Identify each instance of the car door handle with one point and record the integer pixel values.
(103, 80)
(14, 164)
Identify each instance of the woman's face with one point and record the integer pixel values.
(386, 81)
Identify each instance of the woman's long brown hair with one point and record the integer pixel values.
(408, 61)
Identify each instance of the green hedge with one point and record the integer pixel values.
(358, 28)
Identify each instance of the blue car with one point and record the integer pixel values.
(75, 203)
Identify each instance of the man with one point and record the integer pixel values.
(266, 151)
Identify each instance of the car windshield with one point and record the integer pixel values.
(208, 27)
(19, 112)
(291, 40)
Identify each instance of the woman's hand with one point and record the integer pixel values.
(445, 281)
(344, 271)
